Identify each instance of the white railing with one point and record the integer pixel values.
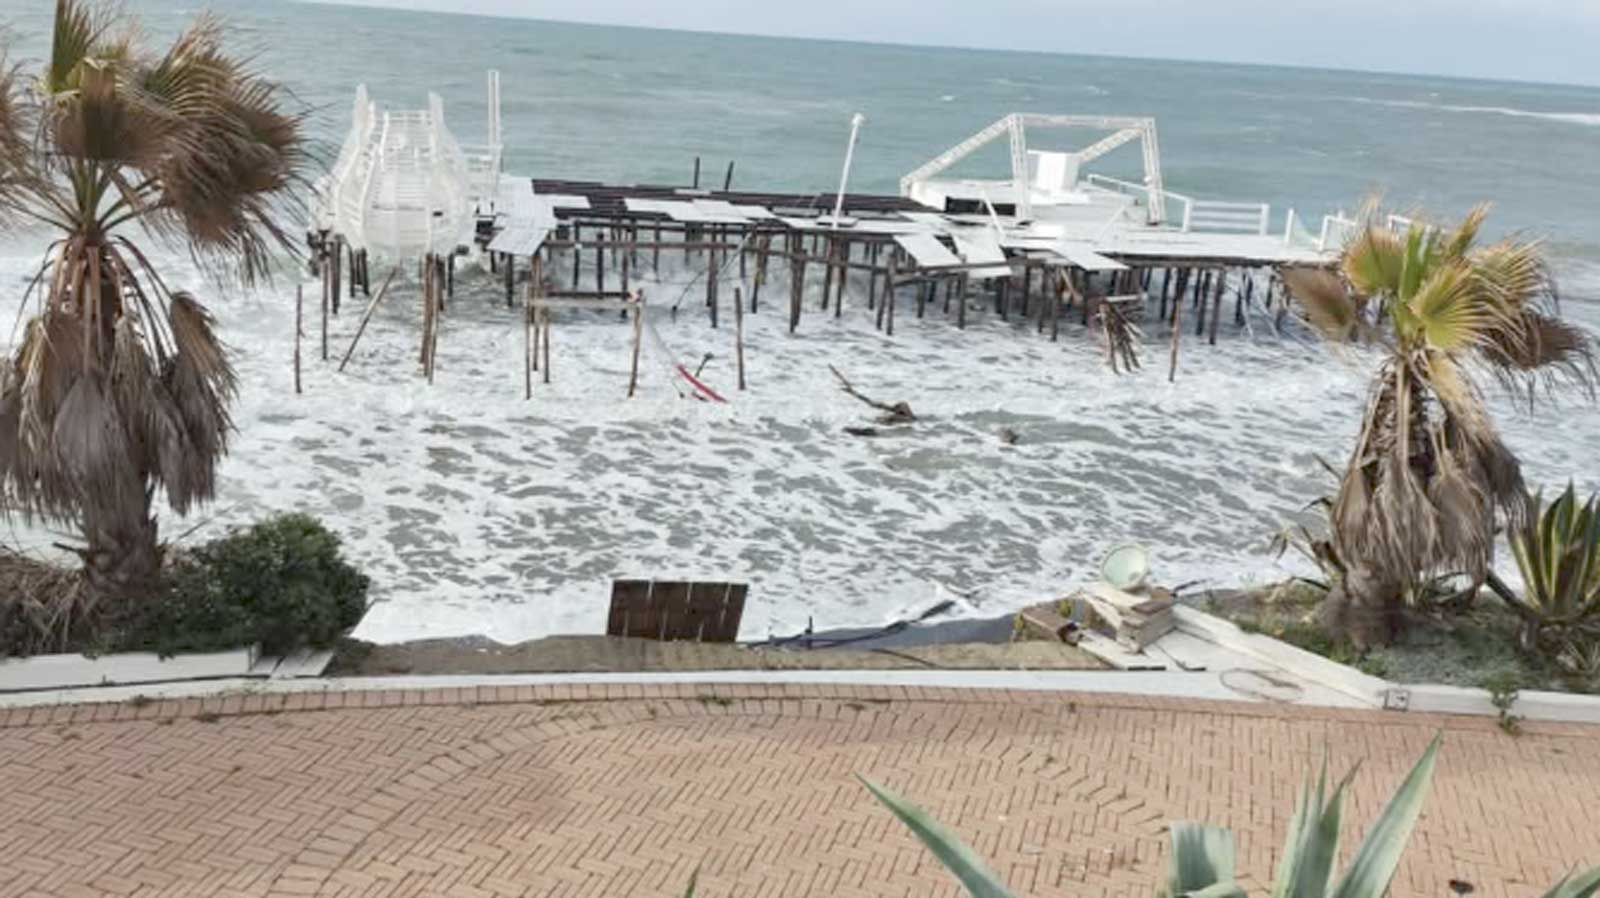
(1214, 215)
(1129, 188)
(1336, 228)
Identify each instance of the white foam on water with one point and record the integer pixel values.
(477, 512)
(1591, 119)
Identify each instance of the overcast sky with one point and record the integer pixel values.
(1537, 40)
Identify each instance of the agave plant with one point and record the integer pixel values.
(1429, 473)
(1558, 553)
(119, 386)
(1202, 861)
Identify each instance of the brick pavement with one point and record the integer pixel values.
(624, 790)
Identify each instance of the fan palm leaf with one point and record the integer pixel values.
(120, 388)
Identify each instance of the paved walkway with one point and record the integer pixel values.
(624, 790)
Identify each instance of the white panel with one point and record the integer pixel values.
(1085, 258)
(519, 240)
(927, 251)
(979, 248)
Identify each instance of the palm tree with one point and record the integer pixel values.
(119, 386)
(1429, 472)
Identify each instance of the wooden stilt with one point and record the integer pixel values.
(1216, 303)
(627, 261)
(324, 313)
(577, 253)
(1027, 287)
(338, 258)
(844, 276)
(638, 338)
(1177, 333)
(827, 274)
(961, 303)
(367, 316)
(544, 336)
(527, 345)
(1055, 305)
(711, 285)
(1201, 295)
(888, 299)
(738, 334)
(872, 277)
(797, 287)
(299, 316)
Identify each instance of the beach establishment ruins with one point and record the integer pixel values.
(1047, 239)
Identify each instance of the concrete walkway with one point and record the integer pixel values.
(623, 790)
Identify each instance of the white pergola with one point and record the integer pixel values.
(1016, 125)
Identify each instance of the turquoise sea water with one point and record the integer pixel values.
(478, 512)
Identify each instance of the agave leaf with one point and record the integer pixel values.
(1202, 858)
(1584, 885)
(693, 878)
(1375, 861)
(1219, 890)
(960, 860)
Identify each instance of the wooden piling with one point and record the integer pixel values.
(797, 286)
(337, 259)
(366, 316)
(1055, 304)
(324, 273)
(738, 334)
(711, 285)
(299, 316)
(638, 338)
(1177, 332)
(1216, 303)
(888, 299)
(961, 302)
(827, 274)
(544, 335)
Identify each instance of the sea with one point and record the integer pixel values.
(478, 512)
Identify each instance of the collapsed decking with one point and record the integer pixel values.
(1049, 239)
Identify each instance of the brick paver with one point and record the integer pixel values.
(624, 791)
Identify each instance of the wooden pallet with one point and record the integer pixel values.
(676, 610)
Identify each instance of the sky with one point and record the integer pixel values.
(1525, 40)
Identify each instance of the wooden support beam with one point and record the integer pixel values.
(738, 335)
(365, 317)
(299, 317)
(638, 338)
(888, 299)
(1216, 304)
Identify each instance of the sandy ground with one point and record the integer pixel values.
(566, 654)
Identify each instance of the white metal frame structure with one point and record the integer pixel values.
(1015, 126)
(402, 186)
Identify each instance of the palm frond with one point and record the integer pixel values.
(1460, 239)
(78, 28)
(1451, 313)
(1373, 260)
(1329, 306)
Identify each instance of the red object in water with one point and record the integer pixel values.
(704, 391)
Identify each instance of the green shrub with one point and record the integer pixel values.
(282, 583)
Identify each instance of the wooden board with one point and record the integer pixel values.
(927, 251)
(674, 610)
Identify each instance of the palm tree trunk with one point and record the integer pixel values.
(122, 558)
(1363, 608)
